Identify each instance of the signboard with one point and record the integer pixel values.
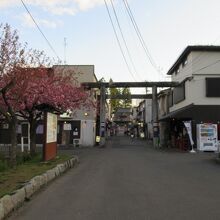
(67, 127)
(51, 133)
(189, 131)
(75, 132)
(50, 136)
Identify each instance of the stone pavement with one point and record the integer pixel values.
(130, 180)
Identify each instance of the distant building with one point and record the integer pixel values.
(148, 119)
(123, 115)
(143, 118)
(163, 110)
(80, 126)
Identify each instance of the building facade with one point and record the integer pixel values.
(197, 98)
(79, 127)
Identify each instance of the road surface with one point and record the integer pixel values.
(129, 180)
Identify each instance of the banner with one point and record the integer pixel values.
(189, 131)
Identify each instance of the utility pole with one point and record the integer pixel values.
(155, 117)
(102, 116)
(65, 45)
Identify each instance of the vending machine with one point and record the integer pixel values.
(207, 137)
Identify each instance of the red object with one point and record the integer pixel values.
(50, 151)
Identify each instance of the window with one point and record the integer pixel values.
(185, 62)
(170, 98)
(179, 93)
(177, 71)
(212, 87)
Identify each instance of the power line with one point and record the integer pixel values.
(51, 47)
(137, 30)
(118, 41)
(139, 35)
(195, 61)
(132, 35)
(202, 68)
(123, 38)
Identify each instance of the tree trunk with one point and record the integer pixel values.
(13, 147)
(33, 127)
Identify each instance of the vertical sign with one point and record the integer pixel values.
(51, 128)
(189, 131)
(50, 134)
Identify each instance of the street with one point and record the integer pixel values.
(129, 180)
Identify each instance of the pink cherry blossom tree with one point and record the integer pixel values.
(40, 86)
(26, 83)
(12, 55)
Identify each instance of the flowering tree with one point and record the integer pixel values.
(26, 84)
(40, 86)
(12, 55)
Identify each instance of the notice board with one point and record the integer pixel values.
(50, 136)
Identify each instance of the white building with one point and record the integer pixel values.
(80, 127)
(197, 98)
(198, 69)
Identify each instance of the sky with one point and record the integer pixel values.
(167, 28)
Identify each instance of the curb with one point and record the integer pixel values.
(16, 199)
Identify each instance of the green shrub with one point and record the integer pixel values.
(26, 156)
(23, 157)
(3, 165)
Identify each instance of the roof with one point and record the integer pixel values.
(197, 113)
(188, 50)
(164, 92)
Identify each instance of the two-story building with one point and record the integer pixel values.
(80, 126)
(197, 98)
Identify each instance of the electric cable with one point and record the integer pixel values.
(139, 35)
(51, 47)
(118, 41)
(123, 38)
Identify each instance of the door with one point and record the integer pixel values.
(87, 133)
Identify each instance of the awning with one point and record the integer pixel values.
(205, 113)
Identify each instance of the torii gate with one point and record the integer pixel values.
(154, 85)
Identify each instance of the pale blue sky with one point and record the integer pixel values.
(167, 28)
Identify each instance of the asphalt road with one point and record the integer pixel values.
(130, 180)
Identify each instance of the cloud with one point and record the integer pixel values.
(28, 22)
(88, 4)
(6, 3)
(57, 7)
(63, 10)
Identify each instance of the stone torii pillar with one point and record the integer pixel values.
(102, 116)
(155, 117)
